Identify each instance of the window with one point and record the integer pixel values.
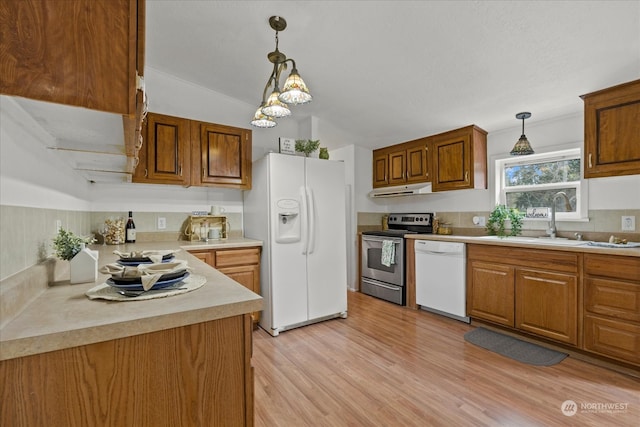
(533, 181)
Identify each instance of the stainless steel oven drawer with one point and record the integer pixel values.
(385, 291)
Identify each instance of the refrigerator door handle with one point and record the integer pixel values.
(312, 221)
(304, 220)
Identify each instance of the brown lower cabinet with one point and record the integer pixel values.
(585, 300)
(612, 306)
(531, 290)
(240, 264)
(193, 375)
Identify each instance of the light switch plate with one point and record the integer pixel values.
(162, 223)
(629, 223)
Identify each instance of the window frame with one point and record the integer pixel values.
(581, 186)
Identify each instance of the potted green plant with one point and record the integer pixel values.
(307, 146)
(83, 263)
(496, 225)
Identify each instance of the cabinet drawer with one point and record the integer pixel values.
(612, 338)
(234, 257)
(612, 298)
(619, 267)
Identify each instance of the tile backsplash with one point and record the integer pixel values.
(26, 233)
(601, 224)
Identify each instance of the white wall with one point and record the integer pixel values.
(30, 174)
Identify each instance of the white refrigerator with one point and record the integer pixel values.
(297, 208)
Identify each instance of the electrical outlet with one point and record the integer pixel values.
(480, 220)
(162, 223)
(58, 225)
(629, 223)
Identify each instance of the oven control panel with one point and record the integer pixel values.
(409, 219)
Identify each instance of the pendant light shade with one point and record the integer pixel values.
(294, 91)
(522, 147)
(274, 107)
(261, 120)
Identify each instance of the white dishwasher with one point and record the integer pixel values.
(441, 278)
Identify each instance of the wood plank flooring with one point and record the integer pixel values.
(387, 365)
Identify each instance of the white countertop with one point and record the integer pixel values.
(532, 243)
(61, 316)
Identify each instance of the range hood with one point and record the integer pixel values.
(402, 190)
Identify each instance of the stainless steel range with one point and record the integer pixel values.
(383, 256)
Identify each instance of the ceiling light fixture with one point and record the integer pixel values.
(522, 147)
(293, 92)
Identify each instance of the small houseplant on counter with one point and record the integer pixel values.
(83, 263)
(496, 225)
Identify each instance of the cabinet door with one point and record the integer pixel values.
(397, 167)
(380, 169)
(80, 52)
(221, 155)
(418, 162)
(490, 292)
(613, 338)
(165, 157)
(205, 256)
(547, 304)
(611, 129)
(247, 275)
(451, 164)
(459, 159)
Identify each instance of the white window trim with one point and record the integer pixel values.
(582, 189)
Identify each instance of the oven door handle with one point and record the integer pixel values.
(391, 288)
(395, 240)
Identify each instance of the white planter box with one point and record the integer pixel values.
(84, 267)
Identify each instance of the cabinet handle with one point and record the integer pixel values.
(590, 164)
(204, 172)
(466, 175)
(146, 172)
(180, 170)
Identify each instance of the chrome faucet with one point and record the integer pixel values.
(551, 231)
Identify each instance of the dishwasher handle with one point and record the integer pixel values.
(439, 247)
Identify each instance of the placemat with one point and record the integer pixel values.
(110, 293)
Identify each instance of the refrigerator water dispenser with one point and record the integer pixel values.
(288, 229)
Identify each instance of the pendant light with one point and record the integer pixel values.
(522, 147)
(294, 91)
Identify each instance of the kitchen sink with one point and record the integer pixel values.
(558, 241)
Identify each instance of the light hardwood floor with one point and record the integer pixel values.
(386, 365)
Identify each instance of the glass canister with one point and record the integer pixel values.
(444, 229)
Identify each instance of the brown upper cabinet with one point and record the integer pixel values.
(188, 152)
(459, 159)
(78, 52)
(612, 131)
(220, 155)
(452, 160)
(406, 163)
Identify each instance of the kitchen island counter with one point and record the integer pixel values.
(60, 315)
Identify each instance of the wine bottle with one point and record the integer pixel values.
(130, 230)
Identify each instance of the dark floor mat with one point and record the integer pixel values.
(514, 348)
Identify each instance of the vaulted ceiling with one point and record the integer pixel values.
(397, 70)
(382, 71)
